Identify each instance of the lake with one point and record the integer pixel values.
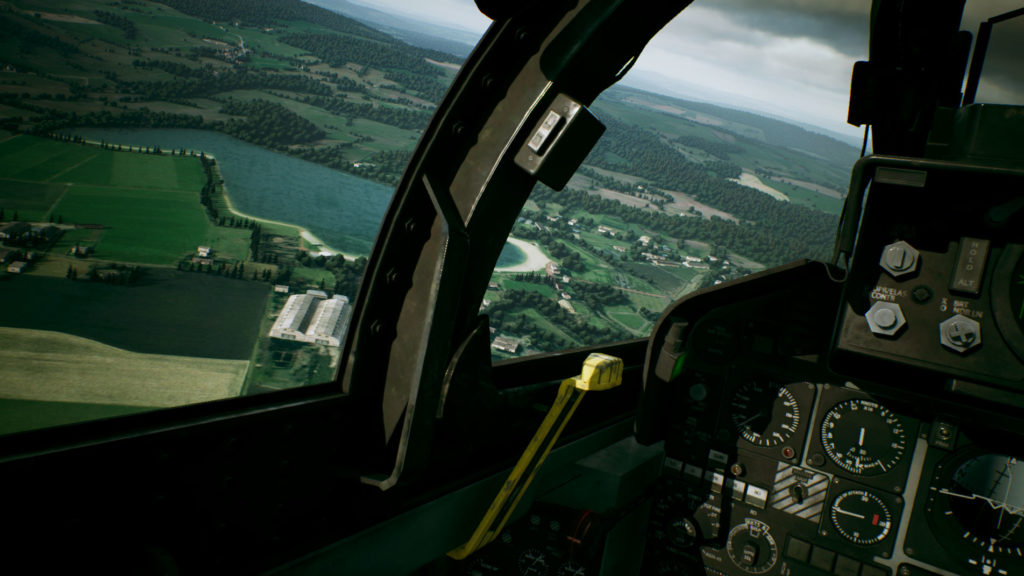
(343, 210)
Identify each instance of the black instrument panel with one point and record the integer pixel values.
(776, 465)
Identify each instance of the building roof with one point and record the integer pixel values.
(505, 344)
(14, 229)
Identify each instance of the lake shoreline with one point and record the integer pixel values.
(535, 258)
(323, 249)
(319, 246)
(286, 188)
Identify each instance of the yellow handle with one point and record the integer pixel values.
(600, 372)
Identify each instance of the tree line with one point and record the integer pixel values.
(390, 115)
(755, 242)
(199, 82)
(648, 157)
(507, 317)
(268, 124)
(272, 12)
(339, 50)
(126, 25)
(716, 148)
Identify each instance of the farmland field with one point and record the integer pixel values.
(49, 378)
(169, 312)
(140, 226)
(32, 199)
(40, 365)
(147, 205)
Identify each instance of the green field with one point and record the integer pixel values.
(145, 206)
(32, 200)
(22, 415)
(798, 195)
(168, 312)
(140, 226)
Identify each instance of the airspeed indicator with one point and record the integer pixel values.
(764, 413)
(863, 437)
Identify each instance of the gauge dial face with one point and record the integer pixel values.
(764, 413)
(861, 517)
(987, 501)
(863, 437)
(752, 547)
(533, 562)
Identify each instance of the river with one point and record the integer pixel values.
(340, 209)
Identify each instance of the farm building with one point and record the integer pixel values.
(505, 345)
(17, 267)
(312, 318)
(328, 324)
(80, 251)
(204, 251)
(14, 230)
(46, 233)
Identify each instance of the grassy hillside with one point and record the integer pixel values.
(255, 70)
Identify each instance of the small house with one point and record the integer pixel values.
(81, 251)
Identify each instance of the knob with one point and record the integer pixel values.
(899, 259)
(885, 318)
(960, 333)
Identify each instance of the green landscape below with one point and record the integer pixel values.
(677, 196)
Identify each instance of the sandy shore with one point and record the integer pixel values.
(535, 259)
(749, 180)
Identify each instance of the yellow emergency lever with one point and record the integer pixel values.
(600, 372)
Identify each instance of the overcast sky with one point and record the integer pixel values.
(789, 58)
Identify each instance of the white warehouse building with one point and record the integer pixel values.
(313, 318)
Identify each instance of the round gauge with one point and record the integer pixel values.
(533, 562)
(752, 547)
(682, 533)
(987, 504)
(861, 517)
(863, 437)
(764, 413)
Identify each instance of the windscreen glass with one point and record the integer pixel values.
(189, 191)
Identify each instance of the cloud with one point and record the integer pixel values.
(1002, 79)
(790, 58)
(748, 66)
(842, 24)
